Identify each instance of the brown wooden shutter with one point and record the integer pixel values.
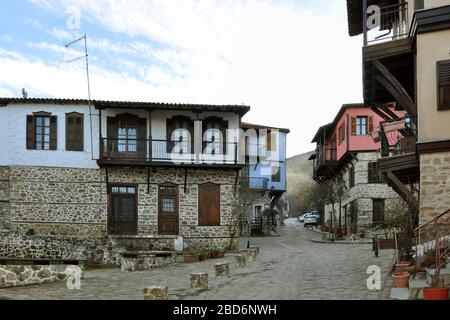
(112, 135)
(142, 138)
(53, 133)
(444, 85)
(170, 127)
(370, 120)
(353, 126)
(209, 204)
(74, 132)
(223, 128)
(31, 133)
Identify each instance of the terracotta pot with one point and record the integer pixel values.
(190, 258)
(386, 244)
(401, 279)
(203, 256)
(435, 293)
(401, 266)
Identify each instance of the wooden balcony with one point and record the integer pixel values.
(325, 163)
(166, 153)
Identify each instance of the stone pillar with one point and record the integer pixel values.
(222, 270)
(252, 254)
(156, 293)
(256, 248)
(199, 281)
(241, 260)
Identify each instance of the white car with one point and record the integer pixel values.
(311, 220)
(301, 218)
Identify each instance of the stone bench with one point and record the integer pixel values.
(156, 293)
(139, 261)
(241, 260)
(222, 270)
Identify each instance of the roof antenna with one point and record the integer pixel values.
(24, 93)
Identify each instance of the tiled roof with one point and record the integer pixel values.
(245, 125)
(100, 104)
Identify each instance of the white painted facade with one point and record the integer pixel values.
(13, 132)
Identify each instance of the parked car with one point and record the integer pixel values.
(301, 218)
(311, 220)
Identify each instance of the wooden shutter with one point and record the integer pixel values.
(209, 204)
(31, 133)
(170, 127)
(53, 133)
(443, 85)
(353, 126)
(142, 138)
(370, 126)
(110, 145)
(74, 132)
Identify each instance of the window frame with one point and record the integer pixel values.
(32, 131)
(72, 146)
(442, 64)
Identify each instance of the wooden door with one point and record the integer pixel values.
(378, 210)
(122, 218)
(209, 204)
(168, 210)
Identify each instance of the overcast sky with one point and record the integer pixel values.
(291, 61)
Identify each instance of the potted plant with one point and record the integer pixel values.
(401, 279)
(191, 255)
(402, 266)
(220, 253)
(437, 290)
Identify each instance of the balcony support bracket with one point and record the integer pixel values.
(400, 188)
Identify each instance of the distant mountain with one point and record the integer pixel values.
(299, 173)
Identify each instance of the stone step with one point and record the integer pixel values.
(418, 283)
(400, 293)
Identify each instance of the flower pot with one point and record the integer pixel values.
(385, 244)
(203, 256)
(435, 293)
(401, 279)
(190, 258)
(401, 266)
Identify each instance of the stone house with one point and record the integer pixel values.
(120, 172)
(406, 61)
(346, 167)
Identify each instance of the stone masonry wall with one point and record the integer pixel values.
(13, 276)
(73, 202)
(4, 197)
(434, 185)
(363, 193)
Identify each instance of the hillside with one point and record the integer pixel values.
(299, 181)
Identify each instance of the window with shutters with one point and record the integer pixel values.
(362, 125)
(180, 132)
(41, 131)
(351, 180)
(443, 75)
(214, 135)
(378, 210)
(74, 131)
(373, 173)
(209, 204)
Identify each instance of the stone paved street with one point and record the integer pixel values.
(289, 267)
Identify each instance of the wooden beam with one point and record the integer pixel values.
(402, 190)
(395, 88)
(380, 112)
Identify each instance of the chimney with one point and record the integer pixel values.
(24, 93)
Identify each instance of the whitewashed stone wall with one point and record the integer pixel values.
(434, 185)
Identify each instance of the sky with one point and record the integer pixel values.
(291, 61)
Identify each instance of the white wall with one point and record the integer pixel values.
(13, 137)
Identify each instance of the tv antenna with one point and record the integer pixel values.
(86, 57)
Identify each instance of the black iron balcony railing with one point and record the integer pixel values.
(166, 150)
(389, 23)
(256, 183)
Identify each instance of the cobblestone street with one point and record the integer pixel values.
(289, 267)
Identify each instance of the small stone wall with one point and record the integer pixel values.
(13, 276)
(131, 264)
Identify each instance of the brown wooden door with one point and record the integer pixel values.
(168, 210)
(123, 211)
(209, 204)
